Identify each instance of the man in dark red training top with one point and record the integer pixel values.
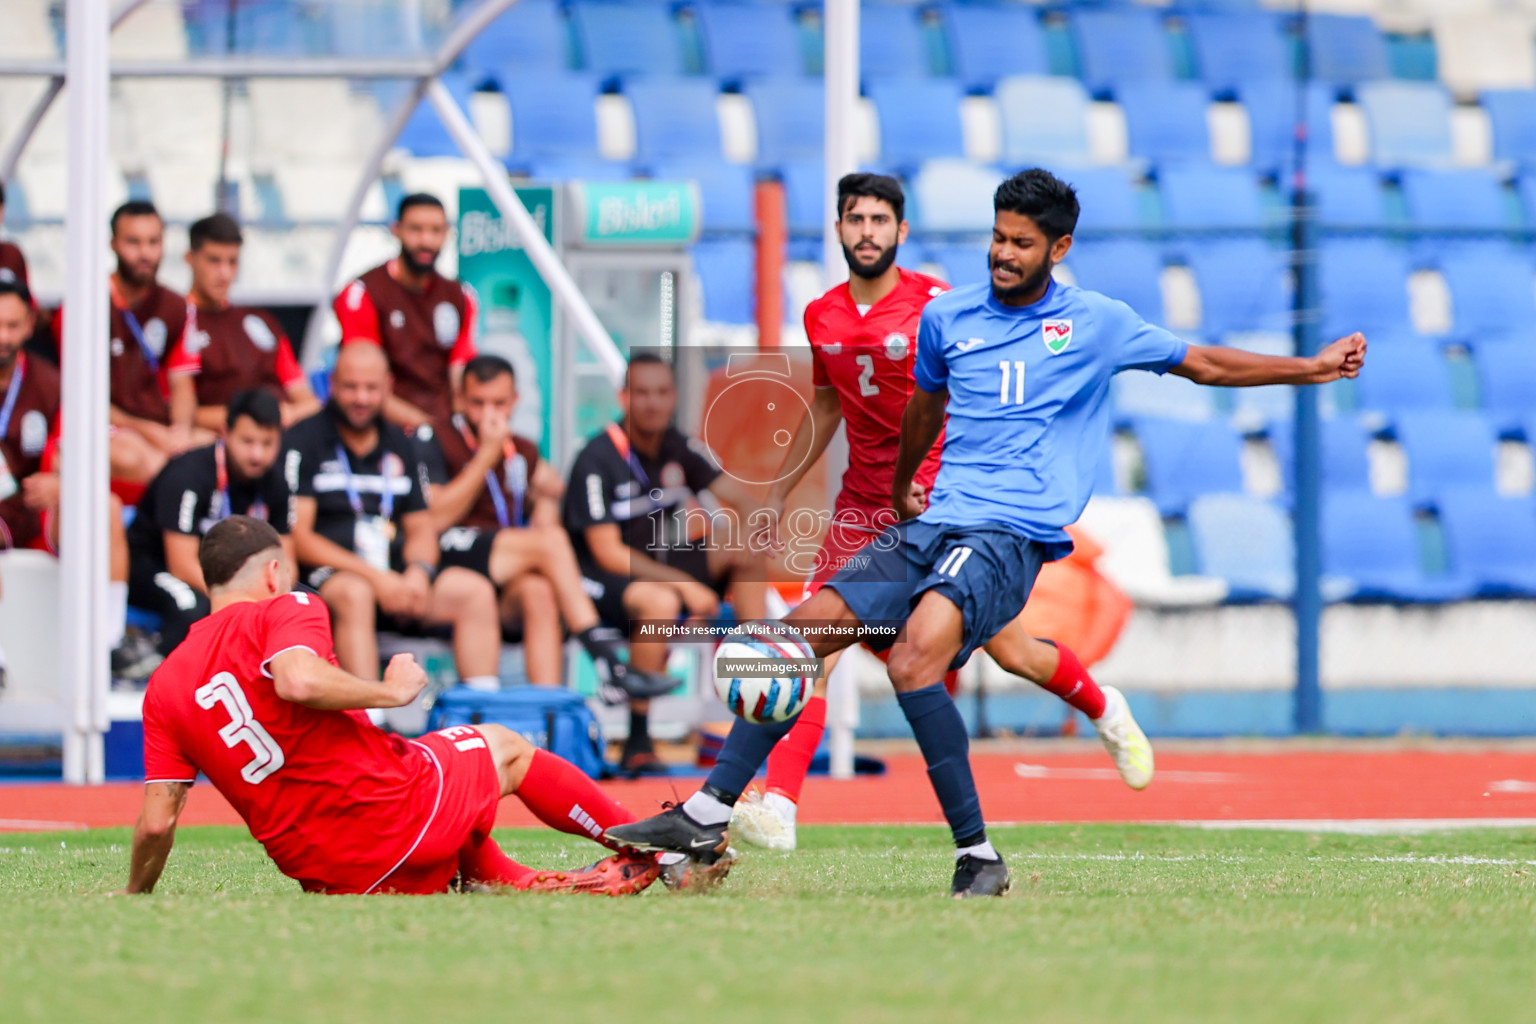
(254, 700)
(424, 322)
(238, 348)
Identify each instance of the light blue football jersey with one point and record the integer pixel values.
(1028, 401)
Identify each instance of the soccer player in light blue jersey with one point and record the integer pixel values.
(1021, 369)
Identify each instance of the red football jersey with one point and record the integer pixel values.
(868, 358)
(336, 802)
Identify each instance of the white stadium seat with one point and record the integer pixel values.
(1136, 555)
(955, 195)
(1492, 51)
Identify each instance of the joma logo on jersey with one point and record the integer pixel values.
(1057, 335)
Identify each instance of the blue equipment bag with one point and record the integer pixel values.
(551, 718)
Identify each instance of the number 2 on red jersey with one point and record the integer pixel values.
(266, 755)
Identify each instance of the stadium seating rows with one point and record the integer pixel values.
(1178, 121)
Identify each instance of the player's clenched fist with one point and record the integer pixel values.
(1343, 358)
(404, 679)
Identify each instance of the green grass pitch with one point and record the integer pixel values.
(1126, 923)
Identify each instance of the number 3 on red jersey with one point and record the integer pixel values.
(267, 756)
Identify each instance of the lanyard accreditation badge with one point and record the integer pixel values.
(221, 508)
(8, 485)
(373, 535)
(514, 472)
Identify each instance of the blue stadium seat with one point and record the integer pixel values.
(1120, 45)
(1463, 199)
(527, 37)
(1374, 543)
(791, 118)
(891, 43)
(1138, 393)
(1492, 539)
(987, 43)
(1346, 50)
(424, 134)
(919, 119)
(1165, 121)
(726, 271)
(1491, 289)
(952, 195)
(963, 264)
(1044, 120)
(1244, 286)
(1506, 373)
(1512, 113)
(726, 189)
(575, 168)
(1364, 285)
(1247, 542)
(1347, 197)
(1106, 195)
(743, 40)
(1210, 197)
(1446, 450)
(1404, 373)
(1128, 270)
(1410, 123)
(358, 28)
(553, 116)
(1184, 460)
(674, 117)
(1271, 107)
(1234, 48)
(1345, 455)
(804, 195)
(627, 38)
(275, 28)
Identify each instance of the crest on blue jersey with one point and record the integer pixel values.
(1057, 335)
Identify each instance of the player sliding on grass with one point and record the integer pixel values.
(254, 700)
(861, 363)
(1023, 369)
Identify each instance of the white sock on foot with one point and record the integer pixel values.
(982, 851)
(706, 810)
(485, 684)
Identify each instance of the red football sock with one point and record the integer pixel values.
(1073, 684)
(565, 799)
(791, 757)
(481, 860)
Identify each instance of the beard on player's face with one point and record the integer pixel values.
(1029, 279)
(137, 273)
(860, 256)
(419, 260)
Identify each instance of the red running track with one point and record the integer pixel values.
(1016, 787)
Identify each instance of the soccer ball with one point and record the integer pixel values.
(745, 677)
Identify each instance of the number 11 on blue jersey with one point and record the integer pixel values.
(1016, 370)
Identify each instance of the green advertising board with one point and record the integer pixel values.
(516, 308)
(657, 214)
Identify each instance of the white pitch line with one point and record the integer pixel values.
(30, 825)
(1362, 826)
(1512, 786)
(1041, 771)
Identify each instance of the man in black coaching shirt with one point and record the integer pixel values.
(236, 476)
(364, 536)
(647, 545)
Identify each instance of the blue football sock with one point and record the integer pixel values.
(746, 750)
(940, 733)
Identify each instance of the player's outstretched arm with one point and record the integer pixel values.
(302, 677)
(154, 834)
(1234, 368)
(920, 426)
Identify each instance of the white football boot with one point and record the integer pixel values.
(766, 820)
(1124, 740)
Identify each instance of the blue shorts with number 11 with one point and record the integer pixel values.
(987, 571)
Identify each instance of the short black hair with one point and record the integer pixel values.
(486, 368)
(17, 289)
(418, 199)
(644, 359)
(260, 406)
(220, 228)
(133, 208)
(1042, 197)
(876, 186)
(231, 543)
